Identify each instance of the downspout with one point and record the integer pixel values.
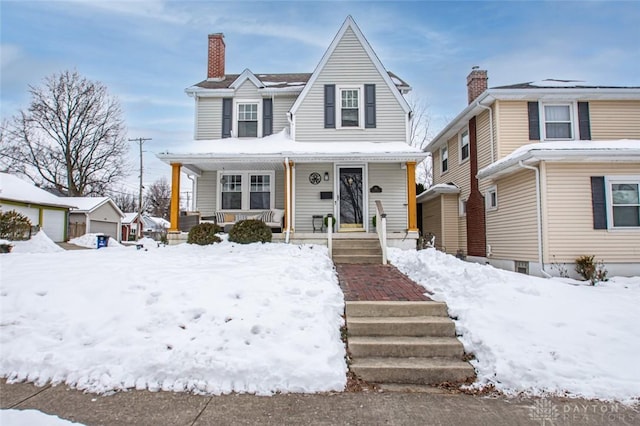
(287, 186)
(539, 214)
(490, 125)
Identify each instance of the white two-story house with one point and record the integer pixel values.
(294, 148)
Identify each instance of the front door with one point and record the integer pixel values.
(351, 198)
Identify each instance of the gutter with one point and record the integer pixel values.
(539, 214)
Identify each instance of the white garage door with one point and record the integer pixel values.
(106, 228)
(54, 221)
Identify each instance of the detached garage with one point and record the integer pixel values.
(45, 210)
(95, 215)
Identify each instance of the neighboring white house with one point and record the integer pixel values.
(334, 141)
(45, 210)
(95, 215)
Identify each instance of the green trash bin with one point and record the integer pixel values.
(103, 241)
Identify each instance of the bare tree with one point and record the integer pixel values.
(126, 201)
(9, 153)
(420, 134)
(72, 137)
(158, 198)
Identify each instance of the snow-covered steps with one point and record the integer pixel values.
(404, 342)
(357, 250)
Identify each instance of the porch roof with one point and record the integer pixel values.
(272, 151)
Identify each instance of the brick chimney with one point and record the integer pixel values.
(215, 68)
(476, 83)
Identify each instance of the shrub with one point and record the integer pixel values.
(14, 226)
(590, 270)
(374, 220)
(250, 231)
(204, 234)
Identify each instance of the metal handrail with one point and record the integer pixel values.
(381, 229)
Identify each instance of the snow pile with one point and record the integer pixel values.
(535, 335)
(257, 318)
(31, 417)
(91, 241)
(39, 243)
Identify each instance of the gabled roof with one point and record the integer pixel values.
(436, 190)
(15, 189)
(129, 218)
(90, 204)
(349, 23)
(246, 75)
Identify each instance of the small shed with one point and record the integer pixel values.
(95, 215)
(45, 210)
(132, 226)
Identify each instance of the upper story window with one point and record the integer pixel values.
(558, 121)
(463, 141)
(247, 120)
(491, 198)
(444, 159)
(350, 107)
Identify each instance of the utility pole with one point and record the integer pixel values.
(140, 141)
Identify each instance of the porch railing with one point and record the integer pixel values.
(330, 235)
(381, 229)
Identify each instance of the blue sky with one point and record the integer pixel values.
(148, 51)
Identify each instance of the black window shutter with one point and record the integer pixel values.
(227, 115)
(583, 121)
(534, 121)
(370, 106)
(598, 202)
(267, 117)
(329, 106)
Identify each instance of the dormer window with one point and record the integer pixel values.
(247, 120)
(350, 107)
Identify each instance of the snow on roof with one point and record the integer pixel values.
(129, 217)
(434, 190)
(281, 144)
(89, 204)
(624, 149)
(156, 222)
(15, 189)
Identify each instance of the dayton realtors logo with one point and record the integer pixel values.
(547, 413)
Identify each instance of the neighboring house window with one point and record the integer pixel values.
(558, 121)
(349, 108)
(624, 201)
(260, 192)
(246, 190)
(463, 140)
(247, 120)
(462, 207)
(491, 197)
(444, 156)
(231, 192)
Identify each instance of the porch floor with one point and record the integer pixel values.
(377, 283)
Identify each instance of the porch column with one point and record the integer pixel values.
(175, 196)
(411, 196)
(288, 190)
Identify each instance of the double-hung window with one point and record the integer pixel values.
(491, 198)
(558, 122)
(247, 120)
(444, 159)
(246, 190)
(350, 107)
(463, 140)
(624, 201)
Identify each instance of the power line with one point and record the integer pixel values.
(140, 142)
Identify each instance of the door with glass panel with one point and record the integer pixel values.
(351, 198)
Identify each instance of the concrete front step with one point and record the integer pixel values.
(357, 259)
(356, 244)
(405, 346)
(401, 326)
(421, 371)
(375, 251)
(396, 309)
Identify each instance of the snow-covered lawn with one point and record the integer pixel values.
(256, 318)
(534, 335)
(32, 417)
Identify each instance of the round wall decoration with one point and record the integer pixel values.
(315, 178)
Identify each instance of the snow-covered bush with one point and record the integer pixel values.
(204, 234)
(14, 226)
(250, 231)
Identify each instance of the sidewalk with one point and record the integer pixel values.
(142, 408)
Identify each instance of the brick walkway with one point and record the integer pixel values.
(377, 283)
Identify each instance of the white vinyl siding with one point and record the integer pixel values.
(206, 194)
(105, 212)
(614, 120)
(449, 240)
(349, 65)
(392, 178)
(209, 118)
(281, 106)
(247, 90)
(569, 215)
(307, 198)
